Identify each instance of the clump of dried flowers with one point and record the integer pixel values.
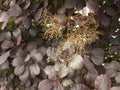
(53, 26)
(78, 30)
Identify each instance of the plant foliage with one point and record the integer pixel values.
(59, 44)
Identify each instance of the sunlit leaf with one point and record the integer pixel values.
(63, 71)
(19, 70)
(51, 52)
(67, 82)
(45, 85)
(4, 57)
(76, 62)
(25, 75)
(4, 18)
(50, 71)
(85, 11)
(34, 70)
(16, 32)
(17, 20)
(66, 45)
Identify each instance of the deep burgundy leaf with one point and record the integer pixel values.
(97, 56)
(45, 3)
(114, 41)
(110, 11)
(34, 5)
(38, 14)
(105, 20)
(113, 49)
(31, 46)
(80, 4)
(79, 80)
(4, 57)
(70, 3)
(118, 4)
(61, 11)
(93, 5)
(25, 34)
(79, 87)
(19, 39)
(28, 2)
(89, 65)
(92, 72)
(26, 21)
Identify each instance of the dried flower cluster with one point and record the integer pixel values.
(53, 26)
(78, 30)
